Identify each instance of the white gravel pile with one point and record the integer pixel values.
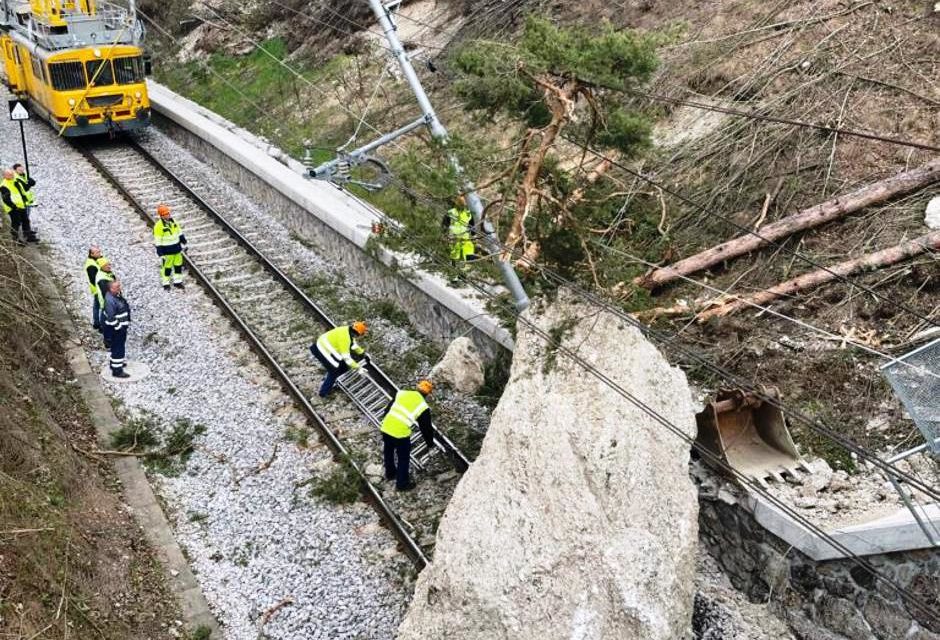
(253, 540)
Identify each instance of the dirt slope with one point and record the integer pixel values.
(73, 564)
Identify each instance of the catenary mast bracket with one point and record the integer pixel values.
(337, 170)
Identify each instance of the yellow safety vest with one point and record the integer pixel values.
(27, 193)
(460, 220)
(102, 276)
(403, 415)
(15, 195)
(91, 262)
(93, 286)
(166, 234)
(337, 346)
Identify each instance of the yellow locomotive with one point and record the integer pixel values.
(81, 68)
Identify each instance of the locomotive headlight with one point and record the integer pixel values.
(71, 102)
(97, 53)
(137, 95)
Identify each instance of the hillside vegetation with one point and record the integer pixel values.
(313, 76)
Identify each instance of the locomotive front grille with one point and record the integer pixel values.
(104, 101)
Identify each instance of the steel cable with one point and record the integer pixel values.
(925, 609)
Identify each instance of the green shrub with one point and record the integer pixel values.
(340, 486)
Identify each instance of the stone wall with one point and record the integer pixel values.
(429, 316)
(829, 600)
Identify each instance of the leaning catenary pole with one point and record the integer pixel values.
(491, 241)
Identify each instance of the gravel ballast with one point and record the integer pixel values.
(253, 538)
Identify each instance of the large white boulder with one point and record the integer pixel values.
(578, 520)
(461, 367)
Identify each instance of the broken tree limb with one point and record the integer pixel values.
(838, 207)
(883, 258)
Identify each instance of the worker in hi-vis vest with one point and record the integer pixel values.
(458, 225)
(92, 264)
(407, 409)
(15, 206)
(169, 240)
(338, 352)
(103, 280)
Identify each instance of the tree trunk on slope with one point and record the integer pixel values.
(560, 100)
(883, 258)
(898, 185)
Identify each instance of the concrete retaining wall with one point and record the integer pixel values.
(338, 224)
(825, 599)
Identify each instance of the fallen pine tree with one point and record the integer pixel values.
(901, 184)
(868, 262)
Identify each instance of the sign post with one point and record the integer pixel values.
(19, 113)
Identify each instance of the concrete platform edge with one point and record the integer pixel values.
(867, 539)
(138, 495)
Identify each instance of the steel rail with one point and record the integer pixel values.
(386, 513)
(457, 458)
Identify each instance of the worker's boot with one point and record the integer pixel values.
(119, 373)
(179, 285)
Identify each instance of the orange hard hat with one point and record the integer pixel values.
(360, 327)
(163, 211)
(425, 387)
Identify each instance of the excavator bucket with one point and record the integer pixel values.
(750, 435)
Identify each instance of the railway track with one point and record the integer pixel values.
(280, 321)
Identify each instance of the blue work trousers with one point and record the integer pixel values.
(118, 339)
(400, 448)
(332, 373)
(95, 313)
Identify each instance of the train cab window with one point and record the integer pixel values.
(104, 77)
(67, 76)
(36, 64)
(129, 70)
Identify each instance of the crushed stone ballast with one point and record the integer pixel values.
(239, 507)
(252, 291)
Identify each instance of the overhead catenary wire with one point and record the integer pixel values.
(290, 69)
(365, 111)
(347, 20)
(750, 483)
(817, 426)
(778, 245)
(323, 22)
(795, 123)
(749, 231)
(208, 67)
(760, 117)
(669, 342)
(379, 33)
(905, 594)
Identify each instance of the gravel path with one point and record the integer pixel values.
(252, 540)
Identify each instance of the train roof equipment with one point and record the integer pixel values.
(55, 25)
